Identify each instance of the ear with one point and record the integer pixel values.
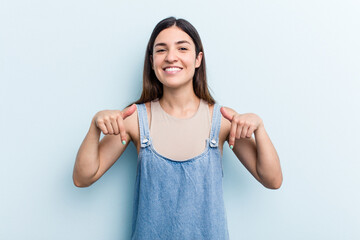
(198, 59)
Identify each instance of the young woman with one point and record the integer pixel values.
(179, 132)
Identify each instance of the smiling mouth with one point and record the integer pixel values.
(172, 69)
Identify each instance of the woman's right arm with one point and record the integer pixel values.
(94, 158)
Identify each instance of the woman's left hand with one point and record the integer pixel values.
(242, 125)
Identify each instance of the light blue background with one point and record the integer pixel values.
(294, 63)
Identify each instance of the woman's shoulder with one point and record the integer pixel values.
(212, 105)
(148, 103)
(225, 125)
(148, 109)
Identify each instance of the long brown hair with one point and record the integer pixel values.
(152, 87)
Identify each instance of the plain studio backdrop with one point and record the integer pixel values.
(294, 63)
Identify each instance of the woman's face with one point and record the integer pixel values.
(174, 58)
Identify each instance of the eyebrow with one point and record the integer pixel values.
(177, 43)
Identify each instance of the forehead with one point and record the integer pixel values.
(172, 35)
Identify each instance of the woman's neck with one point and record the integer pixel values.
(180, 103)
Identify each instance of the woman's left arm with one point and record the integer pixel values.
(259, 156)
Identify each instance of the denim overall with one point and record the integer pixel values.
(179, 200)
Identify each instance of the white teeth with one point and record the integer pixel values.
(172, 69)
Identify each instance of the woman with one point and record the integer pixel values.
(179, 132)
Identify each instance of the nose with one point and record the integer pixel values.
(171, 56)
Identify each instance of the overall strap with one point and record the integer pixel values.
(215, 126)
(143, 125)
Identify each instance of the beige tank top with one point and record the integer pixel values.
(176, 138)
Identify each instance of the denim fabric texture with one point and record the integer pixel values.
(176, 200)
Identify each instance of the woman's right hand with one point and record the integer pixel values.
(111, 122)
